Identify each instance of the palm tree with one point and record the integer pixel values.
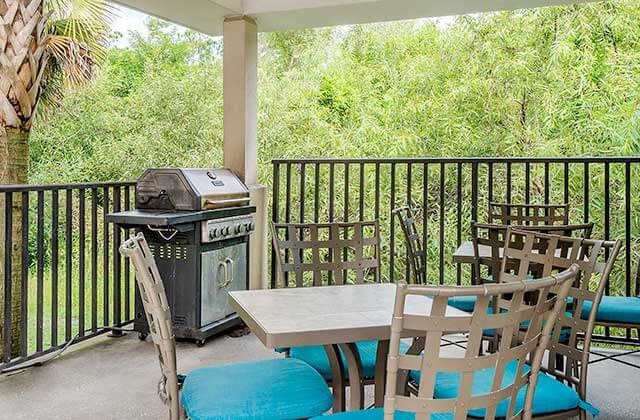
(44, 45)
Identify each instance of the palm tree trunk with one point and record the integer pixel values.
(22, 57)
(26, 47)
(14, 161)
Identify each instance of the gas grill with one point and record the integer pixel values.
(197, 223)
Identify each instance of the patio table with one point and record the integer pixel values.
(335, 317)
(464, 253)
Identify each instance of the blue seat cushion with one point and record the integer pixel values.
(378, 414)
(464, 303)
(317, 358)
(622, 309)
(551, 396)
(267, 389)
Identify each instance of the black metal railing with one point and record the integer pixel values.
(63, 278)
(449, 193)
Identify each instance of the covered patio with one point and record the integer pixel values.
(115, 375)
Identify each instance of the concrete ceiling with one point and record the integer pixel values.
(275, 15)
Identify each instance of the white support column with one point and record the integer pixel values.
(240, 67)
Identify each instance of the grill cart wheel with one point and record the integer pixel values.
(142, 336)
(200, 343)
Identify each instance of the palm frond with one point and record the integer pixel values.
(73, 58)
(85, 21)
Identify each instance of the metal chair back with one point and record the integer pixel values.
(317, 254)
(581, 230)
(528, 214)
(532, 252)
(516, 346)
(415, 250)
(492, 237)
(156, 308)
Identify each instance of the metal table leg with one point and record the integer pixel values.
(337, 383)
(356, 379)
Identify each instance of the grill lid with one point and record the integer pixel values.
(190, 189)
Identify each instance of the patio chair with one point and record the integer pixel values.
(274, 389)
(416, 254)
(321, 254)
(561, 392)
(528, 214)
(492, 238)
(415, 250)
(487, 385)
(618, 312)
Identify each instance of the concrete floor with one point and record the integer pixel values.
(115, 378)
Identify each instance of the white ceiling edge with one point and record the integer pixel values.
(355, 12)
(204, 16)
(207, 16)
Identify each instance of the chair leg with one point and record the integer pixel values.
(492, 344)
(559, 361)
(583, 415)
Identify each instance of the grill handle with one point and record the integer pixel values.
(228, 274)
(229, 261)
(227, 202)
(161, 232)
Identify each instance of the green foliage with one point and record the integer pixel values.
(157, 103)
(544, 82)
(337, 97)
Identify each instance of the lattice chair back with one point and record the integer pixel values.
(415, 250)
(156, 308)
(528, 214)
(544, 254)
(516, 346)
(317, 254)
(492, 237)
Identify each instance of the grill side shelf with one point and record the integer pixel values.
(177, 219)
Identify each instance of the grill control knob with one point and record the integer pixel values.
(213, 233)
(250, 226)
(225, 230)
(238, 228)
